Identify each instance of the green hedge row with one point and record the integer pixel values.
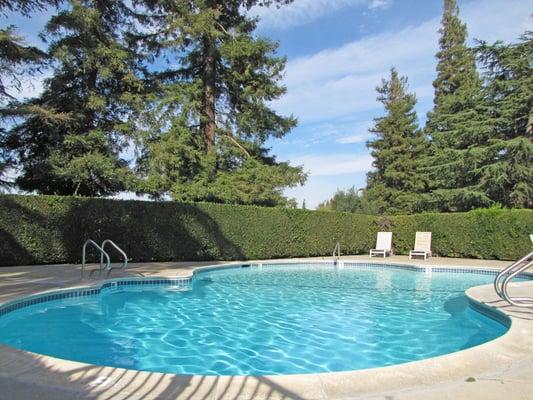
(52, 229)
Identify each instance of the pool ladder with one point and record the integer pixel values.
(336, 253)
(503, 279)
(103, 254)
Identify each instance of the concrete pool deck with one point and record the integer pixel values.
(502, 368)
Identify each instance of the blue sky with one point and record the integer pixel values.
(338, 51)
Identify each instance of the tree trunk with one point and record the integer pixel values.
(207, 114)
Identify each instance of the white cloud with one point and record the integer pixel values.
(335, 85)
(335, 164)
(375, 4)
(345, 130)
(352, 139)
(316, 190)
(30, 86)
(497, 19)
(354, 130)
(299, 12)
(338, 82)
(321, 188)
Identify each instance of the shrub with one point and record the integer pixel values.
(52, 229)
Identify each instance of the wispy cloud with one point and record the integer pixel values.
(320, 188)
(375, 4)
(339, 82)
(327, 173)
(361, 138)
(299, 12)
(32, 86)
(334, 164)
(27, 86)
(335, 88)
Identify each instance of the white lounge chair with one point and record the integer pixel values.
(383, 244)
(422, 245)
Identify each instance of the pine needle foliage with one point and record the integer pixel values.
(17, 61)
(507, 173)
(71, 136)
(457, 125)
(395, 182)
(206, 128)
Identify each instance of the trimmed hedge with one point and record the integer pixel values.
(52, 229)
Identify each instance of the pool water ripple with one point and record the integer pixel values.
(274, 320)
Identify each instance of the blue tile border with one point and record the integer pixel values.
(384, 265)
(186, 282)
(490, 312)
(16, 304)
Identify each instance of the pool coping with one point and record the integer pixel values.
(501, 354)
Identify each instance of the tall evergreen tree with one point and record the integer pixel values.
(17, 60)
(71, 136)
(207, 127)
(507, 173)
(457, 125)
(395, 183)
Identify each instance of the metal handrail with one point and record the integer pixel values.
(122, 252)
(336, 250)
(517, 301)
(498, 283)
(102, 254)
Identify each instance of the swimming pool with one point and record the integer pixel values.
(274, 319)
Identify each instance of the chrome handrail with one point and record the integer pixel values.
(517, 301)
(498, 287)
(122, 252)
(336, 250)
(102, 254)
(503, 279)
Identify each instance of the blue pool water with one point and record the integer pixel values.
(283, 319)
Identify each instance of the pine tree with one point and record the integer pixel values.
(206, 128)
(457, 125)
(395, 183)
(507, 173)
(343, 200)
(17, 60)
(25, 7)
(72, 134)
